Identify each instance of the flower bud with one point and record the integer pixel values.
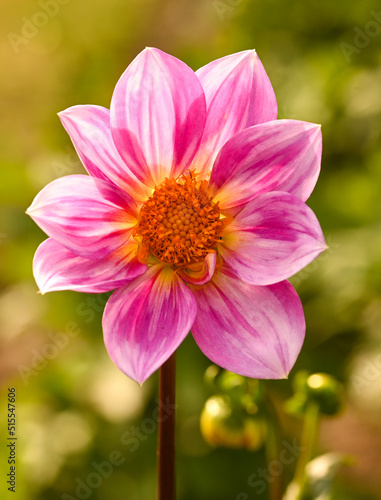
(327, 391)
(210, 376)
(231, 427)
(320, 388)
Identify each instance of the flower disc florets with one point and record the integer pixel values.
(179, 224)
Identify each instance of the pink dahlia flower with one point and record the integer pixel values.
(193, 211)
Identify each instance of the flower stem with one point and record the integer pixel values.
(309, 437)
(166, 441)
(272, 454)
(272, 447)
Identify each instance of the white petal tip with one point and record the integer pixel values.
(63, 113)
(42, 290)
(67, 111)
(32, 210)
(323, 246)
(139, 381)
(317, 127)
(250, 54)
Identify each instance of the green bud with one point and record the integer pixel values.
(243, 391)
(231, 427)
(319, 388)
(211, 375)
(235, 386)
(325, 390)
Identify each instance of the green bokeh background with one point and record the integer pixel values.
(323, 59)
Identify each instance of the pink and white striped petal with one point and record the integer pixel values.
(272, 238)
(57, 268)
(158, 114)
(255, 331)
(89, 216)
(200, 272)
(282, 155)
(145, 321)
(89, 129)
(238, 95)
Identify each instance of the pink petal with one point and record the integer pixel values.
(238, 95)
(89, 129)
(250, 330)
(272, 238)
(201, 272)
(283, 155)
(57, 268)
(147, 320)
(157, 116)
(89, 216)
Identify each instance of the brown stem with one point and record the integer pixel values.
(166, 442)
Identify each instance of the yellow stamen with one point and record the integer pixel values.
(179, 224)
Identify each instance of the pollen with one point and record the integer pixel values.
(179, 224)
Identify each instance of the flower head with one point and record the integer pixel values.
(193, 211)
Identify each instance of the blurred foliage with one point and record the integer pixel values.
(321, 473)
(74, 407)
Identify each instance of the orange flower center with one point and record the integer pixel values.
(179, 224)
